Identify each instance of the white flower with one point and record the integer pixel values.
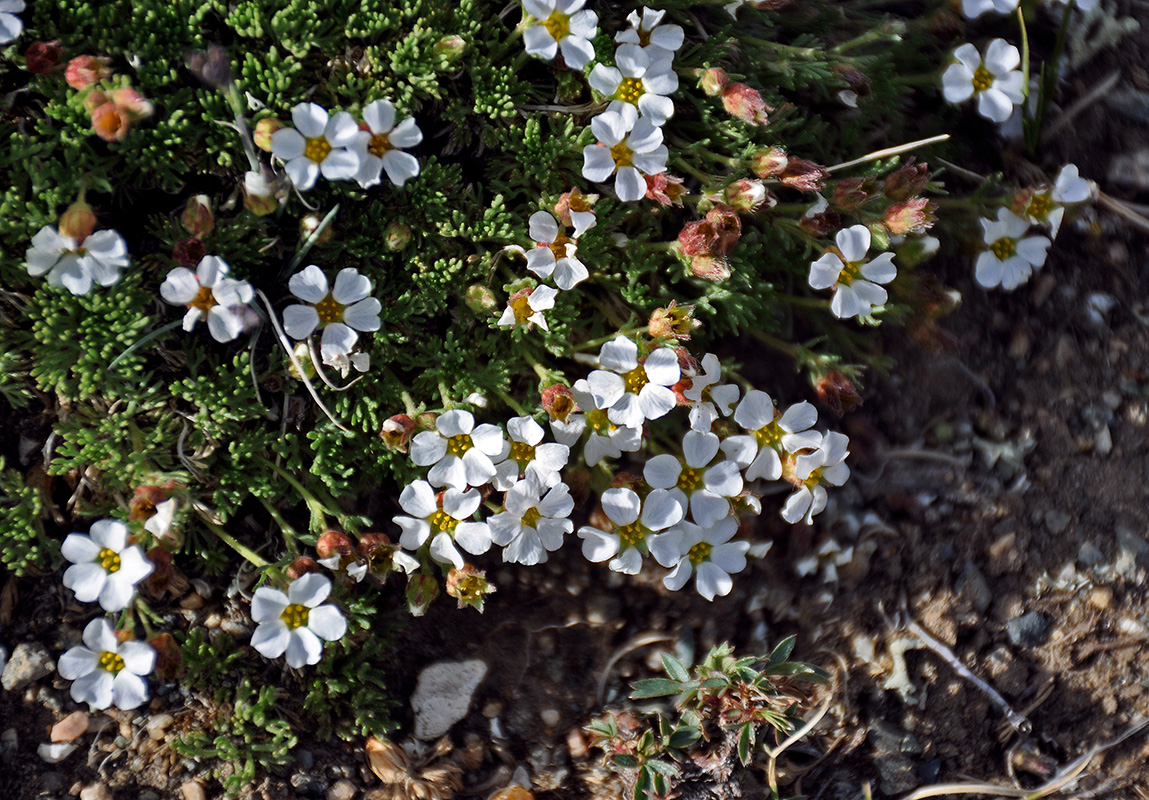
(526, 307)
(627, 543)
(634, 391)
(1047, 206)
(159, 524)
(632, 148)
(294, 623)
(560, 26)
(708, 400)
(318, 143)
(106, 672)
(532, 524)
(345, 362)
(529, 457)
(693, 482)
(605, 439)
(1010, 259)
(826, 464)
(995, 80)
(444, 519)
(975, 8)
(380, 148)
(771, 434)
(709, 555)
(76, 265)
(340, 311)
(104, 567)
(659, 41)
(828, 557)
(554, 252)
(10, 25)
(207, 292)
(854, 280)
(459, 453)
(636, 85)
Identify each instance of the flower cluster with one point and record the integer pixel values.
(209, 294)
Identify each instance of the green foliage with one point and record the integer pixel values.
(23, 543)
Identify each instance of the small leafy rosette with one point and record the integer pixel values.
(298, 622)
(105, 672)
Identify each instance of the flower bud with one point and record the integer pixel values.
(727, 229)
(907, 182)
(212, 66)
(333, 543)
(78, 221)
(259, 192)
(665, 189)
(820, 223)
(43, 57)
(396, 431)
(469, 586)
(851, 193)
(302, 355)
(711, 268)
(310, 224)
(422, 589)
(558, 401)
(911, 216)
(188, 252)
(806, 176)
(857, 81)
(426, 421)
(744, 195)
(144, 501)
(741, 101)
(698, 238)
(674, 321)
(131, 103)
(879, 236)
(838, 392)
(574, 200)
(263, 130)
(110, 123)
(713, 81)
(83, 71)
(449, 48)
(769, 162)
(480, 299)
(197, 218)
(301, 566)
(396, 237)
(370, 543)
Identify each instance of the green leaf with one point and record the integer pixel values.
(625, 761)
(745, 743)
(664, 728)
(654, 687)
(674, 668)
(714, 683)
(684, 737)
(782, 650)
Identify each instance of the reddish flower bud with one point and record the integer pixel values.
(912, 216)
(806, 176)
(110, 123)
(558, 401)
(698, 238)
(838, 392)
(741, 101)
(851, 193)
(188, 252)
(907, 181)
(469, 586)
(197, 218)
(449, 48)
(132, 103)
(396, 431)
(263, 130)
(370, 543)
(78, 221)
(301, 566)
(422, 589)
(259, 192)
(859, 84)
(144, 501)
(822, 223)
(396, 237)
(43, 57)
(674, 321)
(664, 189)
(769, 162)
(83, 71)
(575, 200)
(714, 81)
(744, 195)
(309, 224)
(333, 543)
(711, 268)
(480, 299)
(727, 229)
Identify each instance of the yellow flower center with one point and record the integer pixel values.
(442, 521)
(329, 310)
(1003, 248)
(699, 553)
(317, 149)
(598, 421)
(1039, 206)
(295, 616)
(982, 79)
(630, 535)
(109, 560)
(380, 143)
(769, 435)
(558, 25)
(851, 270)
(622, 154)
(521, 308)
(630, 90)
(559, 245)
(531, 517)
(634, 380)
(203, 299)
(521, 453)
(689, 479)
(457, 445)
(110, 662)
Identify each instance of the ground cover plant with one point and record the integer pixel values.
(341, 305)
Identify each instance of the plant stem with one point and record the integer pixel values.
(245, 551)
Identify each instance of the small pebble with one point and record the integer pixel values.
(157, 725)
(550, 717)
(212, 620)
(55, 753)
(192, 791)
(97, 791)
(341, 790)
(1028, 630)
(29, 662)
(1089, 555)
(192, 602)
(1056, 521)
(71, 727)
(1101, 597)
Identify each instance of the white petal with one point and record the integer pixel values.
(540, 43)
(267, 604)
(350, 287)
(661, 367)
(76, 663)
(994, 105)
(629, 185)
(455, 422)
(597, 545)
(379, 116)
(881, 269)
(310, 119)
(427, 447)
(400, 167)
(699, 448)
(270, 639)
(543, 227)
(99, 636)
(577, 51)
(86, 580)
(129, 691)
(309, 284)
(287, 144)
(303, 648)
(474, 537)
(621, 505)
(79, 549)
(957, 83)
(364, 315)
(303, 173)
(598, 163)
(660, 510)
(854, 242)
(327, 622)
(628, 563)
(309, 590)
(443, 550)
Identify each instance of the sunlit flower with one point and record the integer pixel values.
(526, 307)
(811, 470)
(561, 26)
(771, 433)
(444, 519)
(996, 81)
(605, 439)
(1010, 259)
(106, 672)
(854, 280)
(207, 292)
(529, 456)
(708, 399)
(77, 264)
(975, 8)
(318, 143)
(709, 555)
(555, 252)
(693, 482)
(533, 524)
(105, 568)
(646, 29)
(1047, 206)
(576, 210)
(340, 311)
(630, 537)
(634, 390)
(459, 452)
(636, 85)
(380, 147)
(298, 622)
(10, 25)
(630, 148)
